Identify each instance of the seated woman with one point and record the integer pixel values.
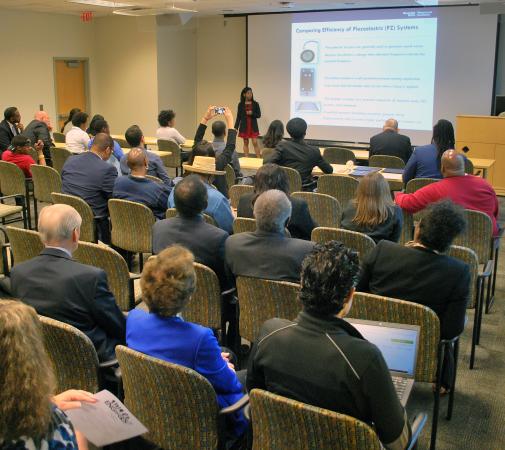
(373, 212)
(425, 160)
(19, 153)
(30, 416)
(272, 137)
(168, 281)
(271, 176)
(166, 119)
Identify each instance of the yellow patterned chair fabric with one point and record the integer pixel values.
(324, 209)
(132, 225)
(58, 157)
(469, 257)
(204, 307)
(478, 235)
(386, 161)
(230, 176)
(124, 285)
(58, 137)
(172, 212)
(236, 191)
(45, 180)
(88, 230)
(338, 155)
(72, 354)
(294, 179)
(261, 300)
(25, 244)
(418, 183)
(385, 309)
(243, 225)
(281, 423)
(174, 160)
(341, 187)
(407, 233)
(177, 405)
(354, 240)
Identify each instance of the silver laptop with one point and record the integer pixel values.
(398, 344)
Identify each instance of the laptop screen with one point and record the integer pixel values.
(397, 343)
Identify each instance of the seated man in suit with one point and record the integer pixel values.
(190, 229)
(218, 206)
(9, 127)
(420, 271)
(321, 359)
(466, 190)
(40, 129)
(89, 177)
(68, 291)
(267, 252)
(299, 155)
(137, 188)
(155, 168)
(390, 142)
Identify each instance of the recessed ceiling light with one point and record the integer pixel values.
(427, 2)
(287, 4)
(104, 3)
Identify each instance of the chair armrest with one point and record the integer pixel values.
(247, 412)
(99, 217)
(449, 341)
(11, 196)
(417, 427)
(134, 276)
(229, 291)
(111, 363)
(236, 406)
(488, 270)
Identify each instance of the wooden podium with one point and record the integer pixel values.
(485, 137)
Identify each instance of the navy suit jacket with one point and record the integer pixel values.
(63, 289)
(6, 135)
(89, 177)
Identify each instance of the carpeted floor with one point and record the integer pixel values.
(479, 406)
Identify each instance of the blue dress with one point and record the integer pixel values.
(422, 164)
(187, 344)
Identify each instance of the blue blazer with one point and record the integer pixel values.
(190, 345)
(89, 177)
(422, 164)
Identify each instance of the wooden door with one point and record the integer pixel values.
(70, 81)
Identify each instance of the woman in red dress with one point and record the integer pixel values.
(248, 113)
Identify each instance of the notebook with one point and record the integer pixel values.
(399, 344)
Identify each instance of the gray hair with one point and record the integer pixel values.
(272, 209)
(57, 223)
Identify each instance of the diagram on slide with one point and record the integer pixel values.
(360, 73)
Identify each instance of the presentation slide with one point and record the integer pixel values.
(347, 71)
(360, 73)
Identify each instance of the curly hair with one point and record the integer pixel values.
(441, 223)
(168, 281)
(329, 272)
(26, 374)
(165, 116)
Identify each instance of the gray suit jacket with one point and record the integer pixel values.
(271, 256)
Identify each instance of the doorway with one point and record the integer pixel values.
(71, 86)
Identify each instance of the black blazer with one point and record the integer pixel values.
(36, 130)
(419, 275)
(299, 156)
(266, 255)
(89, 177)
(300, 225)
(6, 135)
(241, 120)
(390, 143)
(205, 241)
(63, 289)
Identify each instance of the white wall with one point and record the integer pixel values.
(29, 43)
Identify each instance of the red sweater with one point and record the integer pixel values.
(468, 191)
(22, 161)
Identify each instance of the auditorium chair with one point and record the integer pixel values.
(311, 427)
(294, 179)
(341, 187)
(386, 161)
(188, 417)
(45, 180)
(325, 210)
(14, 184)
(24, 244)
(172, 212)
(338, 155)
(418, 183)
(58, 157)
(174, 160)
(58, 137)
(236, 191)
(359, 242)
(431, 348)
(244, 225)
(230, 176)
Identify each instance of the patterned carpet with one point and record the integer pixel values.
(479, 404)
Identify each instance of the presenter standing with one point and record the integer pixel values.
(248, 113)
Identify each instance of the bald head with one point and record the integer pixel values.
(272, 210)
(42, 116)
(137, 161)
(453, 164)
(59, 226)
(102, 145)
(391, 124)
